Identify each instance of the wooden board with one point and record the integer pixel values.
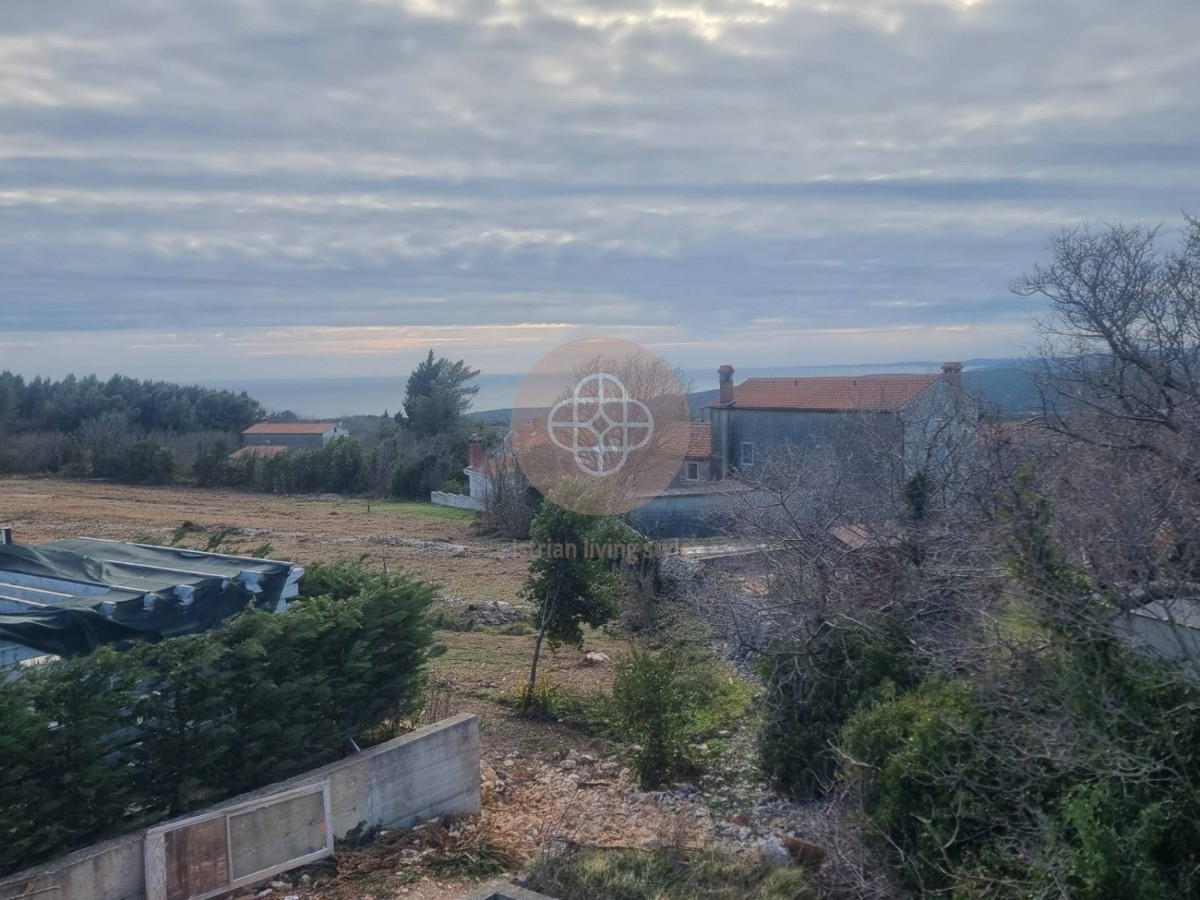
(197, 859)
(227, 848)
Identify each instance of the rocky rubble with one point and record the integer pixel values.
(749, 818)
(587, 799)
(485, 612)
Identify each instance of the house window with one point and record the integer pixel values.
(747, 453)
(692, 471)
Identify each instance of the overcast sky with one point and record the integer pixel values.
(205, 189)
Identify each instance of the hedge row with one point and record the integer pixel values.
(94, 747)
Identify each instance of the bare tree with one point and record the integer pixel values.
(1041, 535)
(1119, 360)
(510, 502)
(620, 419)
(106, 433)
(1119, 373)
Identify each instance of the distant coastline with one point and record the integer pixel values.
(374, 394)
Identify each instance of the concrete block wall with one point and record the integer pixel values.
(431, 772)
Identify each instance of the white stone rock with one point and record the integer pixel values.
(772, 852)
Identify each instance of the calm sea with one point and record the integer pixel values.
(372, 395)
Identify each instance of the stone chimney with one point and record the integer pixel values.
(725, 381)
(476, 452)
(952, 372)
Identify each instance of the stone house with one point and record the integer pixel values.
(913, 420)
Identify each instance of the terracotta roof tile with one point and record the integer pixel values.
(692, 439)
(289, 428)
(699, 441)
(842, 393)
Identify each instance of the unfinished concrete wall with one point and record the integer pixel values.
(110, 871)
(431, 772)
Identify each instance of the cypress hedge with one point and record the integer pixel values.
(97, 746)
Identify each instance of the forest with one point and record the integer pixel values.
(154, 432)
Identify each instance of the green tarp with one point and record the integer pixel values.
(69, 597)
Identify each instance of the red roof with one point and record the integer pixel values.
(290, 428)
(258, 450)
(699, 440)
(842, 393)
(698, 436)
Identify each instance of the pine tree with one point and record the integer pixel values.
(437, 395)
(569, 586)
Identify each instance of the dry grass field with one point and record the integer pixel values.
(432, 542)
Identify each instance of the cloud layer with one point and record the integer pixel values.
(278, 185)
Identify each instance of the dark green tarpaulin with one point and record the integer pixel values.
(69, 597)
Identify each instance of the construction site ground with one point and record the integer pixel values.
(544, 780)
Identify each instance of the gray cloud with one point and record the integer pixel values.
(199, 165)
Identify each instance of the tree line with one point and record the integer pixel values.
(45, 405)
(152, 432)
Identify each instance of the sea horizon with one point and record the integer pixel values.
(375, 394)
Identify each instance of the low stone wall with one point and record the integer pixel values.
(429, 773)
(458, 501)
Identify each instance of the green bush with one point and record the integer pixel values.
(407, 480)
(1127, 809)
(814, 687)
(95, 746)
(61, 783)
(453, 486)
(664, 703)
(1080, 777)
(341, 579)
(1119, 846)
(929, 783)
